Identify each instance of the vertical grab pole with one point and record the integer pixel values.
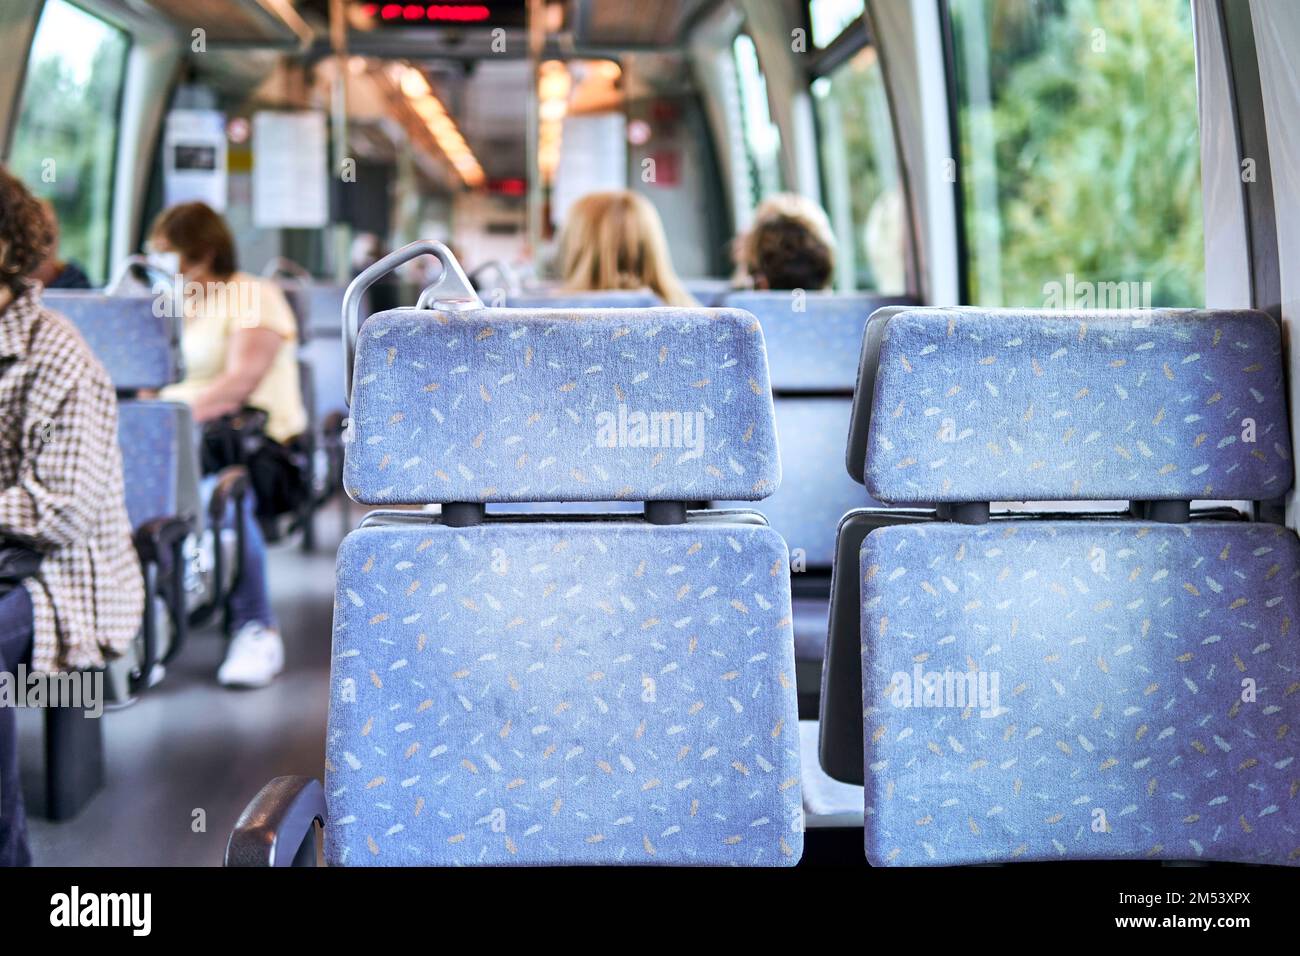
(339, 124)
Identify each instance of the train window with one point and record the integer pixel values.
(762, 138)
(860, 175)
(830, 17)
(65, 141)
(1080, 154)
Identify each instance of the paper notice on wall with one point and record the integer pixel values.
(593, 157)
(194, 158)
(290, 170)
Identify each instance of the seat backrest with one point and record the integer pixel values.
(570, 690)
(709, 293)
(324, 311)
(298, 294)
(139, 348)
(157, 441)
(1061, 687)
(812, 342)
(813, 338)
(608, 299)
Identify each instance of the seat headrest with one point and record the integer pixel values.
(139, 348)
(812, 338)
(494, 405)
(1010, 405)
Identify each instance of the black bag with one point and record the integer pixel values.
(280, 474)
(17, 563)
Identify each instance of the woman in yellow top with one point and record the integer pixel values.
(615, 240)
(240, 346)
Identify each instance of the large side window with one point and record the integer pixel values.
(762, 138)
(864, 196)
(65, 142)
(1079, 151)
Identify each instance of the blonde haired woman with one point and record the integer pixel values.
(614, 240)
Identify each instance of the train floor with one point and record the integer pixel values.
(184, 760)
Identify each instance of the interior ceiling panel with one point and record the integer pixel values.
(229, 21)
(631, 23)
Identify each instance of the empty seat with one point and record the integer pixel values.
(607, 299)
(509, 689)
(1057, 687)
(813, 341)
(137, 347)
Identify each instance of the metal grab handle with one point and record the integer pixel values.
(452, 292)
(503, 270)
(283, 265)
(153, 274)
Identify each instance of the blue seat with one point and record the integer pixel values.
(153, 432)
(1056, 687)
(567, 689)
(608, 299)
(138, 348)
(813, 344)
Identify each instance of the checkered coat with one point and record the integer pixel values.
(61, 489)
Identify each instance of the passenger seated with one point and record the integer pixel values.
(789, 245)
(61, 495)
(239, 344)
(56, 273)
(615, 240)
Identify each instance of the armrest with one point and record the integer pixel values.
(158, 544)
(232, 485)
(158, 536)
(333, 424)
(276, 828)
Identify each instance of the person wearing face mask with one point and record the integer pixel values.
(239, 343)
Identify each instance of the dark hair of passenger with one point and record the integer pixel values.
(790, 245)
(26, 237)
(199, 233)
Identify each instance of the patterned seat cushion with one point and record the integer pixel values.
(1034, 406)
(150, 434)
(138, 349)
(500, 405)
(813, 339)
(563, 693)
(609, 299)
(1138, 687)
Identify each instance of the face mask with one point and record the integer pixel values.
(168, 263)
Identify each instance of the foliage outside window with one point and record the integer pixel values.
(863, 193)
(65, 141)
(1080, 153)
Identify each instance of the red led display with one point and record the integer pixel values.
(434, 12)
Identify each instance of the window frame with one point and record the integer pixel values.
(952, 81)
(856, 37)
(119, 101)
(751, 158)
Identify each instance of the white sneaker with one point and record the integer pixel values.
(256, 655)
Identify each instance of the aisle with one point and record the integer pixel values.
(190, 745)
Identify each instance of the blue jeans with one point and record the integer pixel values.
(250, 601)
(15, 648)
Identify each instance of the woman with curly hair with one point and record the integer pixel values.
(61, 494)
(789, 245)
